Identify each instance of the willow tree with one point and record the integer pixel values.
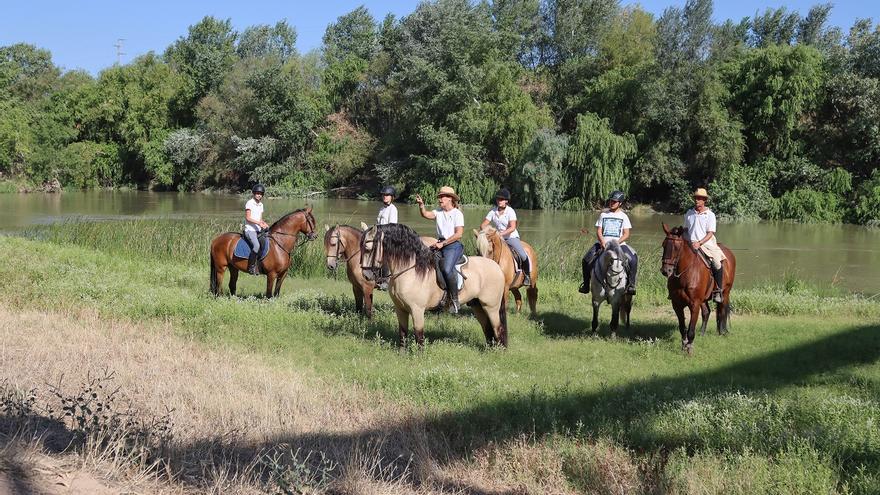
(596, 158)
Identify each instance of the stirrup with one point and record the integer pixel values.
(584, 289)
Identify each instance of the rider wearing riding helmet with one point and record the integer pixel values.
(450, 228)
(612, 223)
(253, 216)
(701, 224)
(388, 212)
(505, 221)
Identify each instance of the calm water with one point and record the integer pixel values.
(843, 255)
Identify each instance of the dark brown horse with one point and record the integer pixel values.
(690, 284)
(282, 238)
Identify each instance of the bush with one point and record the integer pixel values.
(867, 204)
(88, 164)
(741, 193)
(540, 182)
(808, 205)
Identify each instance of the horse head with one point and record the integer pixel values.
(308, 228)
(673, 246)
(484, 239)
(612, 259)
(371, 253)
(333, 246)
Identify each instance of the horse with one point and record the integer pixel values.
(608, 283)
(413, 287)
(690, 283)
(282, 239)
(491, 245)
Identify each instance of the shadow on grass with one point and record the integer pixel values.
(561, 325)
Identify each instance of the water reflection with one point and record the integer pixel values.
(846, 255)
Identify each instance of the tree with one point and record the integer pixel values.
(263, 41)
(596, 159)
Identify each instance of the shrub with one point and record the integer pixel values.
(741, 192)
(808, 205)
(88, 164)
(867, 204)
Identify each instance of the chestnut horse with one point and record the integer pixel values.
(282, 239)
(491, 245)
(690, 284)
(413, 283)
(343, 242)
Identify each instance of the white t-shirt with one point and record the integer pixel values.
(502, 220)
(256, 214)
(387, 214)
(613, 223)
(699, 224)
(447, 221)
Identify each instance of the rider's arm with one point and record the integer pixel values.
(392, 215)
(484, 224)
(426, 213)
(625, 236)
(600, 237)
(459, 231)
(709, 235)
(510, 228)
(248, 218)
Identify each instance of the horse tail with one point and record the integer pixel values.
(212, 276)
(502, 316)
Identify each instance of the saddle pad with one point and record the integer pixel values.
(243, 249)
(458, 275)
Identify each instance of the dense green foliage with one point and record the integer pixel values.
(559, 100)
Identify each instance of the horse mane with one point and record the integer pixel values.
(677, 231)
(614, 246)
(485, 239)
(285, 217)
(401, 244)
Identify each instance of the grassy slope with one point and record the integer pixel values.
(800, 389)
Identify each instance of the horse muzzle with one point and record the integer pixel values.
(368, 274)
(312, 235)
(666, 270)
(331, 264)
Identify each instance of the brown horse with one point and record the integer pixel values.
(413, 284)
(491, 245)
(282, 239)
(343, 242)
(690, 284)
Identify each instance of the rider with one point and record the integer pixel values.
(504, 218)
(450, 228)
(253, 216)
(612, 223)
(388, 212)
(700, 224)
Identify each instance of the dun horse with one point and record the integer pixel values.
(343, 242)
(492, 246)
(282, 239)
(690, 285)
(608, 283)
(413, 287)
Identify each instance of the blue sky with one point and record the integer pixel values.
(81, 34)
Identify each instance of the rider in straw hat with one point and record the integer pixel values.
(450, 228)
(700, 224)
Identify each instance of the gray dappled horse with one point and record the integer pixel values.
(608, 283)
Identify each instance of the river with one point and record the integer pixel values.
(847, 256)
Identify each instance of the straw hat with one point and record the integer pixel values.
(701, 193)
(447, 191)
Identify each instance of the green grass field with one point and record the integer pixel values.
(787, 403)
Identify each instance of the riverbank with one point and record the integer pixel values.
(785, 403)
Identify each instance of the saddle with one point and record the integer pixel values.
(243, 249)
(517, 261)
(438, 263)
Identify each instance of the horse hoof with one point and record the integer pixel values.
(690, 350)
(613, 336)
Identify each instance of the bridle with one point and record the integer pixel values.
(310, 236)
(673, 262)
(340, 247)
(608, 274)
(373, 266)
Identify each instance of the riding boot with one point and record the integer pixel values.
(452, 293)
(526, 269)
(586, 268)
(632, 277)
(252, 268)
(717, 294)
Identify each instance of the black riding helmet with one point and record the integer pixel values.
(503, 194)
(258, 188)
(616, 196)
(389, 191)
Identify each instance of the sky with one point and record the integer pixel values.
(82, 34)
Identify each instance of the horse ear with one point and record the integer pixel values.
(476, 233)
(665, 227)
(326, 228)
(308, 209)
(364, 226)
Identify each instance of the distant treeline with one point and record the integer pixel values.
(562, 101)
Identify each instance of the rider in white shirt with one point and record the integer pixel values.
(612, 223)
(388, 212)
(700, 224)
(253, 216)
(504, 219)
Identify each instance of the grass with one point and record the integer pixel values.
(786, 404)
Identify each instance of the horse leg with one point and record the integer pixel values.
(418, 316)
(368, 300)
(704, 316)
(517, 296)
(692, 328)
(281, 277)
(722, 315)
(532, 294)
(627, 306)
(219, 271)
(358, 291)
(596, 304)
(483, 318)
(679, 312)
(270, 282)
(402, 326)
(233, 280)
(615, 318)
